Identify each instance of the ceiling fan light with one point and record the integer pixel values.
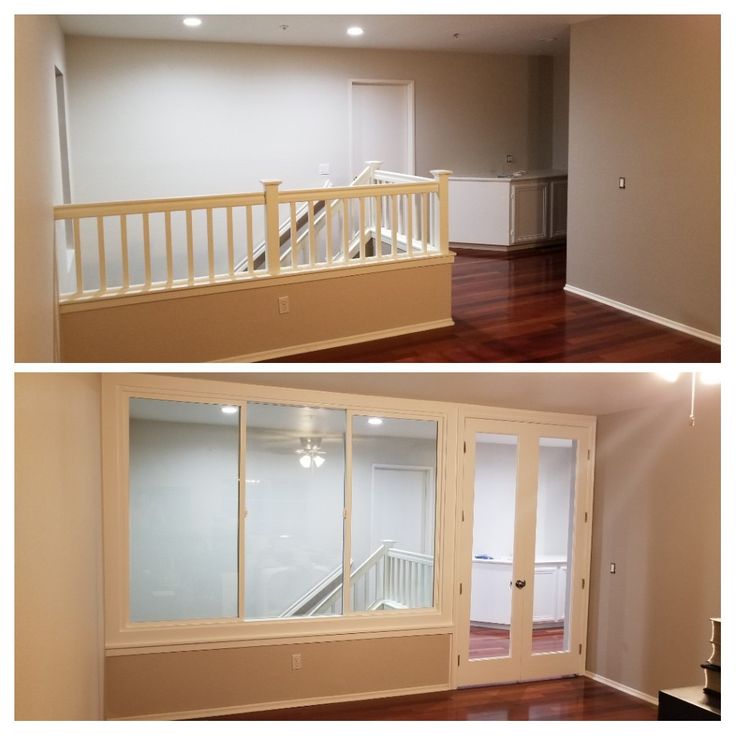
(305, 461)
(318, 461)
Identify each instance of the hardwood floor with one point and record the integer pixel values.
(485, 642)
(570, 699)
(512, 308)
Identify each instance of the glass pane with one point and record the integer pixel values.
(555, 506)
(493, 545)
(184, 460)
(393, 518)
(295, 491)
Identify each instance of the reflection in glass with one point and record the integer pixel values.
(295, 490)
(393, 513)
(183, 498)
(555, 507)
(493, 545)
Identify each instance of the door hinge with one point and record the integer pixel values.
(344, 513)
(583, 584)
(586, 517)
(461, 588)
(465, 447)
(588, 454)
(458, 660)
(462, 515)
(580, 648)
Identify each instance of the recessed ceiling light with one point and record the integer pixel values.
(375, 421)
(355, 31)
(669, 375)
(229, 409)
(192, 22)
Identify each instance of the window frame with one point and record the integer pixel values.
(125, 637)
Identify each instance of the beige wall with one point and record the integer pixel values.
(645, 104)
(39, 46)
(163, 118)
(560, 110)
(58, 594)
(243, 678)
(220, 323)
(657, 516)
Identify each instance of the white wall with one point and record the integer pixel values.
(183, 516)
(161, 118)
(39, 47)
(495, 490)
(58, 555)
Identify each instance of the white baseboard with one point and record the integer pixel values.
(623, 688)
(276, 705)
(337, 342)
(694, 331)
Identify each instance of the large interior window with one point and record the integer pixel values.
(206, 543)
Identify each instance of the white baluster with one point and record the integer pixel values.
(169, 249)
(409, 225)
(379, 225)
(124, 250)
(361, 228)
(147, 250)
(425, 221)
(230, 243)
(273, 257)
(190, 249)
(441, 214)
(346, 229)
(210, 244)
(293, 234)
(102, 265)
(312, 234)
(328, 225)
(394, 224)
(249, 238)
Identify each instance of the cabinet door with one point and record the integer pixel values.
(558, 208)
(528, 212)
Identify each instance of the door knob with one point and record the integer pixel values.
(520, 584)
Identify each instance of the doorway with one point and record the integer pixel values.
(524, 551)
(382, 124)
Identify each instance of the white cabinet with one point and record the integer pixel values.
(490, 602)
(508, 212)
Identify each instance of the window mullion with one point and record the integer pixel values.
(347, 515)
(242, 511)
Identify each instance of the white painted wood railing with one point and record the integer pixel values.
(114, 249)
(388, 579)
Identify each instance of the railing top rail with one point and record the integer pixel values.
(407, 555)
(395, 176)
(361, 190)
(141, 206)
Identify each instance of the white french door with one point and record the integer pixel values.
(524, 551)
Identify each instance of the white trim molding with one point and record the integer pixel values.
(664, 321)
(623, 688)
(337, 342)
(280, 704)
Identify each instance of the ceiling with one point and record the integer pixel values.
(499, 34)
(578, 393)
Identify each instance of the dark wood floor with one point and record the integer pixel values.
(486, 642)
(571, 699)
(512, 308)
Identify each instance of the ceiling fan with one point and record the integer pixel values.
(311, 453)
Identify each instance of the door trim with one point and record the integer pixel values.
(410, 120)
(540, 424)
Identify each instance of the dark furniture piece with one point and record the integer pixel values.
(688, 704)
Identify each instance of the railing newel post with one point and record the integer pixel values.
(373, 166)
(442, 216)
(271, 201)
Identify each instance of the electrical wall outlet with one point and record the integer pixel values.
(296, 661)
(509, 158)
(284, 305)
(324, 169)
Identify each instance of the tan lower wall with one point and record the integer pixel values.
(142, 685)
(222, 322)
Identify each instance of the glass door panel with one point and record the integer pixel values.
(494, 512)
(553, 547)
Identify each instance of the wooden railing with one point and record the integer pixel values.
(388, 579)
(136, 247)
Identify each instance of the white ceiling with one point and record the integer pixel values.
(499, 34)
(579, 393)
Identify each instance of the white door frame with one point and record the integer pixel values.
(522, 664)
(427, 508)
(356, 166)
